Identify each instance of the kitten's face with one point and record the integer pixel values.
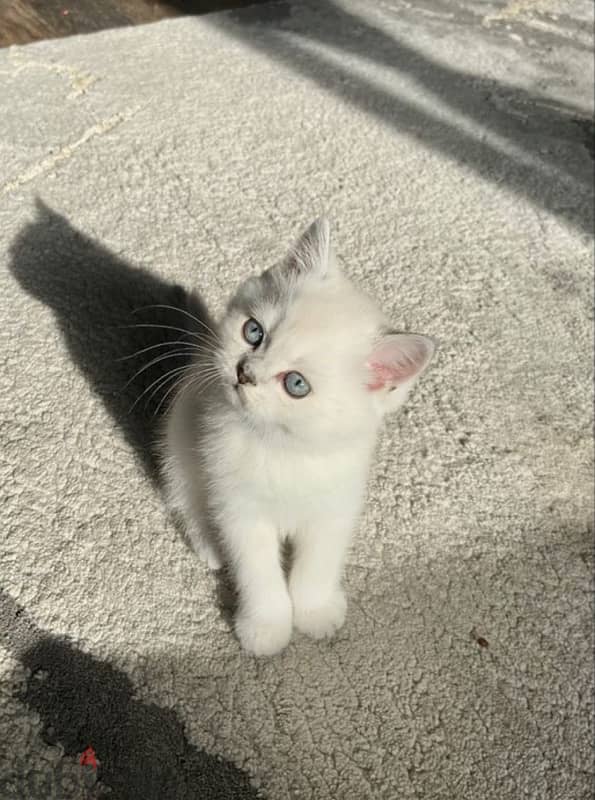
(298, 350)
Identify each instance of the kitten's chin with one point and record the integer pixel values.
(250, 412)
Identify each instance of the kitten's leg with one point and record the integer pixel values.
(196, 529)
(264, 620)
(319, 603)
(182, 503)
(201, 545)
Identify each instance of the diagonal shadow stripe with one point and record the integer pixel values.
(538, 148)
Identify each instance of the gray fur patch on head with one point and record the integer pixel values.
(273, 289)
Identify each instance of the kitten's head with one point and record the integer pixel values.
(307, 353)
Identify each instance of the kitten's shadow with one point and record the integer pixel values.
(99, 301)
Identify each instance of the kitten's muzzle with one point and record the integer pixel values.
(244, 373)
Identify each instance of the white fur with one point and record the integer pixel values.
(256, 465)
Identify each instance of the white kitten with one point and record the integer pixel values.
(278, 443)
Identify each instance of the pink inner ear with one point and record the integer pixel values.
(398, 358)
(382, 375)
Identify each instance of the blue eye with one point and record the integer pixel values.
(252, 332)
(296, 385)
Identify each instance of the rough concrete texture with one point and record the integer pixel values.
(451, 143)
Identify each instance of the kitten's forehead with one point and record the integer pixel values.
(332, 306)
(309, 317)
(323, 323)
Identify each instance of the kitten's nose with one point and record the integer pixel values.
(244, 373)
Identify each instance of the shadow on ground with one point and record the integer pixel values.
(142, 748)
(107, 310)
(535, 146)
(499, 638)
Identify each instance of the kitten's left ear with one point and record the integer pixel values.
(395, 363)
(312, 251)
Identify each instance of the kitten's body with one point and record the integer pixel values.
(248, 464)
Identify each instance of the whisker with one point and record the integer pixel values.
(211, 374)
(163, 380)
(157, 380)
(181, 311)
(177, 354)
(208, 377)
(155, 346)
(191, 380)
(164, 327)
(171, 389)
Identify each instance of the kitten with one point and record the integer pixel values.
(277, 440)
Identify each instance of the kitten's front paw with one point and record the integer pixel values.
(319, 619)
(264, 633)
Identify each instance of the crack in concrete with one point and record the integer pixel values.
(79, 80)
(64, 153)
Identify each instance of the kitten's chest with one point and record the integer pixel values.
(286, 478)
(290, 486)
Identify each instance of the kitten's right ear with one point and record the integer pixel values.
(312, 252)
(394, 364)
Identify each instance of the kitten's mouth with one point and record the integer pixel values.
(243, 400)
(238, 393)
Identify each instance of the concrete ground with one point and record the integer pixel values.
(452, 146)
